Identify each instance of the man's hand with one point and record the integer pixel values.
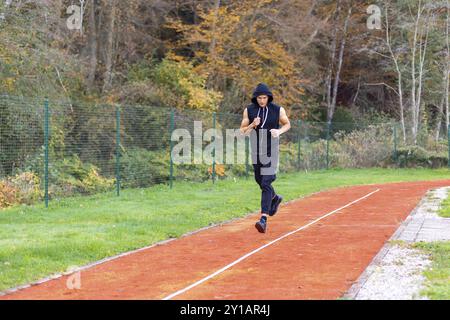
(275, 132)
(247, 127)
(256, 122)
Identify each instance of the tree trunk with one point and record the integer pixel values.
(417, 82)
(212, 46)
(413, 76)
(93, 44)
(332, 57)
(339, 67)
(422, 56)
(399, 75)
(437, 131)
(107, 79)
(447, 80)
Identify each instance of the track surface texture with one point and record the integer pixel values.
(319, 261)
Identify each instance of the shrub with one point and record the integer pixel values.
(191, 172)
(313, 155)
(416, 156)
(288, 157)
(369, 147)
(8, 194)
(142, 168)
(238, 170)
(28, 186)
(219, 170)
(21, 188)
(70, 176)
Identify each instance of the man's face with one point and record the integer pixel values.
(262, 100)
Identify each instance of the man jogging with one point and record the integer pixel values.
(262, 121)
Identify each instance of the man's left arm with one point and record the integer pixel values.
(285, 124)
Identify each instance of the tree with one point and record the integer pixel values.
(233, 44)
(407, 42)
(332, 90)
(109, 52)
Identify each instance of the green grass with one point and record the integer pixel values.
(437, 284)
(445, 208)
(36, 242)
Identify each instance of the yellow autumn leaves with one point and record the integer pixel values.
(230, 46)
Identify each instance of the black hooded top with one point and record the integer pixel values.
(271, 113)
(261, 89)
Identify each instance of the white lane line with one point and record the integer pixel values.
(262, 247)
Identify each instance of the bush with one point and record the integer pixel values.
(288, 157)
(191, 172)
(27, 184)
(369, 147)
(8, 195)
(142, 168)
(313, 155)
(21, 188)
(416, 156)
(238, 170)
(70, 176)
(343, 119)
(219, 170)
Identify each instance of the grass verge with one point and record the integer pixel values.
(444, 211)
(437, 284)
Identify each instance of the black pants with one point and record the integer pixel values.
(265, 183)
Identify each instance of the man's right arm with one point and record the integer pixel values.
(246, 126)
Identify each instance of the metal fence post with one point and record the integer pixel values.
(328, 144)
(118, 149)
(395, 143)
(246, 157)
(448, 139)
(214, 150)
(46, 138)
(172, 127)
(299, 144)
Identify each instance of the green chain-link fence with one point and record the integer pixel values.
(51, 149)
